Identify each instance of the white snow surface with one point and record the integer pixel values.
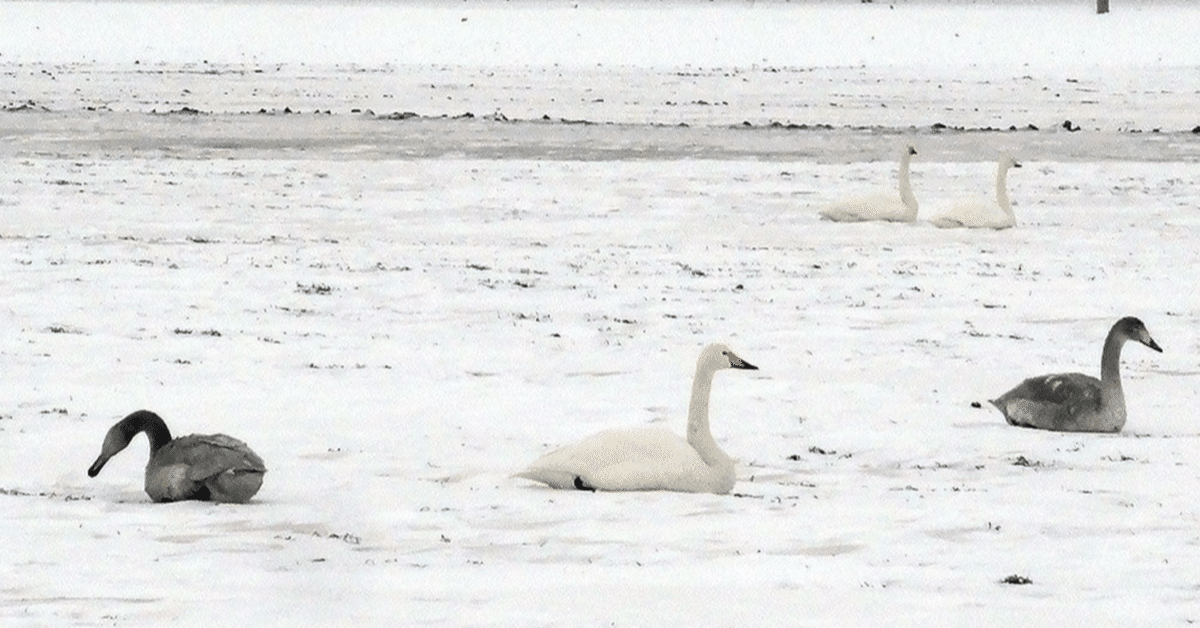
(397, 314)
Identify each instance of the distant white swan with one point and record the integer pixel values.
(1074, 402)
(982, 213)
(650, 458)
(887, 205)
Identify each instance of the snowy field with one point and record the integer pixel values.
(397, 312)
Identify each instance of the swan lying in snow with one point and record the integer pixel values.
(887, 205)
(650, 458)
(1074, 402)
(982, 213)
(205, 467)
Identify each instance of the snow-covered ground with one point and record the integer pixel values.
(399, 313)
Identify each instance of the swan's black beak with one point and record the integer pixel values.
(738, 363)
(94, 470)
(1016, 164)
(1149, 342)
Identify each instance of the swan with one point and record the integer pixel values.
(212, 467)
(982, 213)
(1074, 402)
(882, 205)
(650, 458)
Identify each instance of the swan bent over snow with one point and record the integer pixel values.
(212, 467)
(887, 205)
(1074, 402)
(650, 458)
(982, 213)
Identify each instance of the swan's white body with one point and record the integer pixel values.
(982, 213)
(890, 205)
(650, 458)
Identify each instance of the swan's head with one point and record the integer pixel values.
(1008, 161)
(716, 357)
(116, 440)
(1134, 329)
(910, 150)
(119, 436)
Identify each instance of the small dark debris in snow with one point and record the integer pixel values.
(204, 332)
(688, 269)
(1022, 461)
(28, 105)
(1070, 126)
(1015, 579)
(1196, 130)
(823, 452)
(67, 497)
(976, 405)
(313, 288)
(399, 115)
(348, 538)
(473, 266)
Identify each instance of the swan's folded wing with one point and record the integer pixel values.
(208, 455)
(615, 460)
(881, 205)
(1050, 402)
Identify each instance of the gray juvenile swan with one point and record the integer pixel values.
(650, 458)
(212, 467)
(1074, 402)
(888, 205)
(982, 213)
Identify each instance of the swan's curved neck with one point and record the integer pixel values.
(145, 421)
(906, 193)
(699, 435)
(1002, 190)
(1112, 396)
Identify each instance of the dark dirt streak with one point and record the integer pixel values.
(133, 135)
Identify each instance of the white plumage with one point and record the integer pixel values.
(888, 205)
(650, 458)
(982, 213)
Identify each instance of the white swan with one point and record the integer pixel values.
(882, 205)
(1074, 402)
(982, 213)
(650, 458)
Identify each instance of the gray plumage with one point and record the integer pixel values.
(212, 467)
(1074, 402)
